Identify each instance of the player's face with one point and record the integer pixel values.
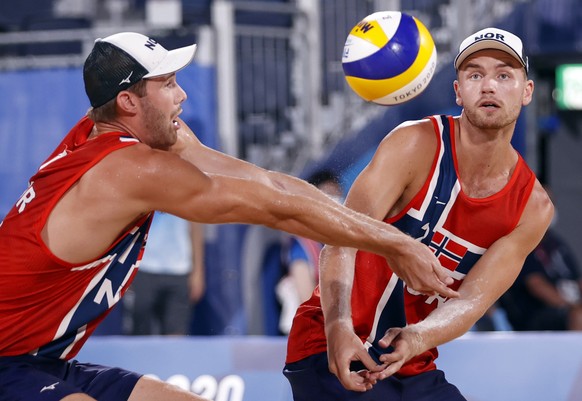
(160, 107)
(492, 87)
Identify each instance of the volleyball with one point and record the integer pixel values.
(389, 58)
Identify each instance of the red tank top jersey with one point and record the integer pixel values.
(47, 306)
(458, 229)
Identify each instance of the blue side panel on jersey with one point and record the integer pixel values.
(392, 316)
(93, 305)
(402, 49)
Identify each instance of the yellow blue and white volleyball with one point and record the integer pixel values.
(389, 58)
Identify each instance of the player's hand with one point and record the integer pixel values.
(406, 344)
(419, 268)
(344, 347)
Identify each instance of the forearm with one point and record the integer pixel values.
(444, 324)
(332, 224)
(480, 289)
(288, 203)
(336, 281)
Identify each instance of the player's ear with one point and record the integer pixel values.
(126, 101)
(528, 92)
(458, 99)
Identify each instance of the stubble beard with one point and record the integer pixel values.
(484, 122)
(161, 131)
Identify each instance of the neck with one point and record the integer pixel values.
(105, 127)
(485, 158)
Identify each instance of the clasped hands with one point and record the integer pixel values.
(345, 347)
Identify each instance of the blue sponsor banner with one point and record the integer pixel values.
(508, 366)
(220, 368)
(499, 366)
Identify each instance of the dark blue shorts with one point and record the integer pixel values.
(311, 380)
(32, 378)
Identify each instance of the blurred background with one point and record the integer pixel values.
(267, 86)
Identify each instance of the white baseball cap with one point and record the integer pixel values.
(492, 38)
(121, 60)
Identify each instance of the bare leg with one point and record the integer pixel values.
(78, 397)
(148, 389)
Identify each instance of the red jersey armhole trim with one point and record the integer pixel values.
(422, 192)
(528, 190)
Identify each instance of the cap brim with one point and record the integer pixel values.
(487, 44)
(174, 61)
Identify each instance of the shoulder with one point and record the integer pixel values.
(412, 132)
(540, 204)
(414, 127)
(141, 173)
(411, 140)
(399, 167)
(141, 160)
(537, 215)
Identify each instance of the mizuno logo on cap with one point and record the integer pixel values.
(126, 80)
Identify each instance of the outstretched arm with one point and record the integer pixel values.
(290, 204)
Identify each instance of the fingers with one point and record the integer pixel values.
(443, 275)
(355, 381)
(361, 380)
(440, 284)
(448, 292)
(391, 368)
(389, 336)
(423, 273)
(434, 287)
(445, 280)
(392, 361)
(368, 362)
(368, 377)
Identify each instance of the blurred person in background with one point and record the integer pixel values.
(171, 278)
(547, 294)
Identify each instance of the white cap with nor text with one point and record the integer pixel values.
(492, 38)
(121, 60)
